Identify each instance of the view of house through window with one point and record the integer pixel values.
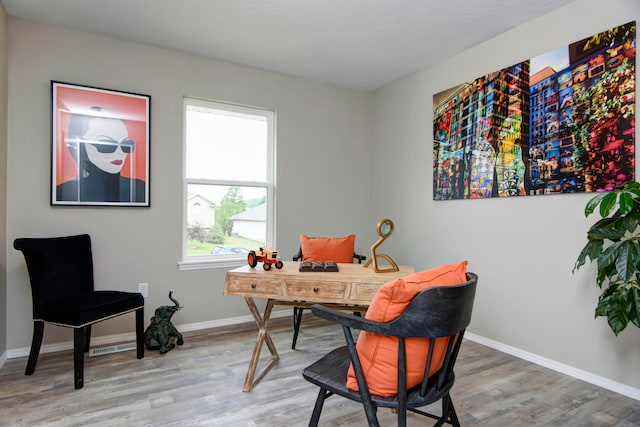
(228, 180)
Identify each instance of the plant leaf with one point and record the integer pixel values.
(613, 307)
(592, 249)
(626, 202)
(625, 259)
(608, 203)
(605, 274)
(610, 255)
(633, 187)
(631, 221)
(612, 230)
(592, 204)
(634, 190)
(603, 300)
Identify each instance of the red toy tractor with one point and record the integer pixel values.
(266, 256)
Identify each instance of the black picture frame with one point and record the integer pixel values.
(100, 146)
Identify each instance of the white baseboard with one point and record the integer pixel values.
(112, 339)
(228, 321)
(589, 377)
(3, 359)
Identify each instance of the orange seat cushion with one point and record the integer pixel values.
(322, 249)
(379, 354)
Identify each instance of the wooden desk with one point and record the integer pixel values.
(352, 285)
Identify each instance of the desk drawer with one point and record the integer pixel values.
(361, 291)
(309, 290)
(255, 286)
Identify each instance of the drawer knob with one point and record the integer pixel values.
(315, 290)
(253, 286)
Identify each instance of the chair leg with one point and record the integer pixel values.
(453, 416)
(140, 332)
(372, 415)
(79, 341)
(87, 338)
(36, 342)
(402, 419)
(448, 413)
(402, 416)
(297, 319)
(317, 409)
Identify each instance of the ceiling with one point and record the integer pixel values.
(361, 44)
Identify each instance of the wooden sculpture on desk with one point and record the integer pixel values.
(384, 229)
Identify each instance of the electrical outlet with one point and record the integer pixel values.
(143, 288)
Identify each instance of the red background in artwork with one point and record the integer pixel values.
(132, 108)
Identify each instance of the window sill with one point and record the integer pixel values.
(187, 265)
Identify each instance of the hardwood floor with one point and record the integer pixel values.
(200, 384)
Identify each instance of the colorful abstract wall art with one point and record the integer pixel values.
(562, 122)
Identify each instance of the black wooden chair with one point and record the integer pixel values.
(437, 313)
(298, 310)
(61, 275)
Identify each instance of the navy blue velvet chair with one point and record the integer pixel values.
(61, 275)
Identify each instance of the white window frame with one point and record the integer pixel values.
(213, 261)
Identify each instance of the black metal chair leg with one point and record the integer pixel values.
(140, 333)
(36, 342)
(297, 319)
(79, 341)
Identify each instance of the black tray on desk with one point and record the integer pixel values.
(328, 266)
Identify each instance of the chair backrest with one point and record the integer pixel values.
(438, 313)
(57, 266)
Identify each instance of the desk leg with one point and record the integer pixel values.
(263, 336)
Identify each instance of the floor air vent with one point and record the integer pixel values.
(112, 349)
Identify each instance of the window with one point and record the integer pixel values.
(229, 183)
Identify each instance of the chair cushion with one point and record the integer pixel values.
(379, 354)
(90, 307)
(321, 249)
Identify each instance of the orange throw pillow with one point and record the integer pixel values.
(322, 249)
(379, 354)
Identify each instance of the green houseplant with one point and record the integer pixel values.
(614, 243)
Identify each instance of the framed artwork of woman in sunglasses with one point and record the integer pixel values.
(100, 153)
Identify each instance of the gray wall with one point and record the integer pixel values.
(323, 137)
(523, 249)
(3, 182)
(378, 148)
